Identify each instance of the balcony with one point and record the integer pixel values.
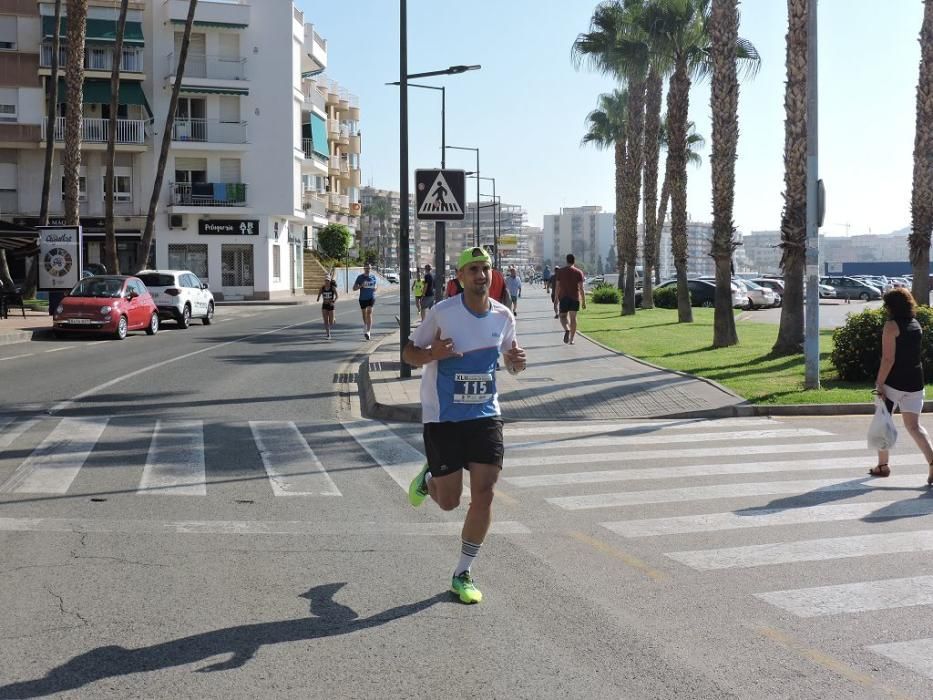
(354, 108)
(343, 137)
(315, 51)
(333, 202)
(129, 131)
(203, 131)
(344, 203)
(314, 202)
(208, 194)
(208, 66)
(313, 96)
(333, 167)
(96, 58)
(333, 130)
(223, 13)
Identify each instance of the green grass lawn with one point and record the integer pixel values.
(748, 369)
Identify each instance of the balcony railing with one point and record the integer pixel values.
(313, 95)
(199, 65)
(208, 194)
(314, 202)
(129, 131)
(209, 131)
(95, 58)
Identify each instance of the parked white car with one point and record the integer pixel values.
(759, 297)
(179, 295)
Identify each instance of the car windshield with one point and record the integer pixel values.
(97, 287)
(751, 285)
(155, 279)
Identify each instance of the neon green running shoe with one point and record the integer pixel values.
(418, 488)
(462, 586)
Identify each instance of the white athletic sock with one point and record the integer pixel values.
(468, 552)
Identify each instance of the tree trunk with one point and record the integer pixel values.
(620, 198)
(724, 104)
(32, 278)
(145, 246)
(794, 216)
(74, 81)
(110, 240)
(678, 104)
(653, 91)
(921, 202)
(634, 139)
(6, 279)
(662, 214)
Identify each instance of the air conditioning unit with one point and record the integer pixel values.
(176, 221)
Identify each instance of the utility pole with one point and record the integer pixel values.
(811, 344)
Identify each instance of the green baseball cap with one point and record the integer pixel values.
(471, 255)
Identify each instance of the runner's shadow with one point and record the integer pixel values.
(240, 643)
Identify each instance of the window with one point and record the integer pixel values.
(189, 257)
(276, 263)
(122, 187)
(9, 100)
(7, 33)
(82, 188)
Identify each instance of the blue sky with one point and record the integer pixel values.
(525, 109)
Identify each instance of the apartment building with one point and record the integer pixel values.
(587, 232)
(385, 240)
(233, 206)
(505, 221)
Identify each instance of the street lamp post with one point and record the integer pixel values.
(496, 212)
(476, 150)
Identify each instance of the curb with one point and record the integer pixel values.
(24, 336)
(407, 413)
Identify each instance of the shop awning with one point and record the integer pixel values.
(18, 239)
(99, 31)
(214, 90)
(98, 92)
(319, 135)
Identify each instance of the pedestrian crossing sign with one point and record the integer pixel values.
(440, 194)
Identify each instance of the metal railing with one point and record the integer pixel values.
(129, 131)
(208, 194)
(299, 15)
(314, 202)
(317, 38)
(199, 65)
(307, 145)
(96, 58)
(313, 95)
(209, 131)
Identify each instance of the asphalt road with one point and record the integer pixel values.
(200, 514)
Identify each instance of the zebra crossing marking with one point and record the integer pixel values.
(550, 427)
(175, 462)
(768, 517)
(743, 490)
(916, 654)
(8, 435)
(823, 549)
(400, 460)
(853, 597)
(293, 467)
(55, 463)
(653, 438)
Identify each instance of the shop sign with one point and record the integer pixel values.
(59, 257)
(245, 227)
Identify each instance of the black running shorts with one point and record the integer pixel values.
(452, 446)
(568, 304)
(327, 307)
(365, 303)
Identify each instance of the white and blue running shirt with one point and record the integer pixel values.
(463, 388)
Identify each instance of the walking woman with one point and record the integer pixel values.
(900, 376)
(329, 292)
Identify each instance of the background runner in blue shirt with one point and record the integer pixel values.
(366, 284)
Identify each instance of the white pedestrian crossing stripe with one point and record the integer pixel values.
(854, 597)
(292, 466)
(916, 654)
(556, 428)
(655, 438)
(175, 463)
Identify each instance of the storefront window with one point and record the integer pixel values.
(189, 257)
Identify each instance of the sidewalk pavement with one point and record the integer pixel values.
(583, 381)
(16, 328)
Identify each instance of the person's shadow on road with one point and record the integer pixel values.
(241, 643)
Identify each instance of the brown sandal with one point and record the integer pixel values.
(884, 470)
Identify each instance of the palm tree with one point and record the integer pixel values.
(146, 244)
(724, 102)
(110, 241)
(653, 90)
(617, 45)
(794, 216)
(381, 209)
(74, 81)
(607, 127)
(921, 203)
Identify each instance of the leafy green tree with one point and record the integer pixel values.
(334, 241)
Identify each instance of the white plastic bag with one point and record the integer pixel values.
(882, 433)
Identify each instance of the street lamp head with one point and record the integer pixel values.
(453, 70)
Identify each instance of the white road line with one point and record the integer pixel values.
(766, 488)
(769, 517)
(175, 463)
(292, 466)
(686, 452)
(69, 347)
(252, 527)
(55, 463)
(916, 654)
(823, 549)
(16, 357)
(9, 433)
(854, 597)
(400, 460)
(664, 439)
(539, 428)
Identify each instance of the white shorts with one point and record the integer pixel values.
(907, 401)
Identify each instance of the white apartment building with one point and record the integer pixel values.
(587, 232)
(505, 222)
(233, 206)
(699, 244)
(421, 233)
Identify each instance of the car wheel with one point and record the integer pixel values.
(122, 328)
(153, 326)
(185, 319)
(864, 296)
(707, 303)
(210, 315)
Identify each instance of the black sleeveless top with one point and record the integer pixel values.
(907, 372)
(327, 294)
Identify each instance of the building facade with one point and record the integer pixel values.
(587, 232)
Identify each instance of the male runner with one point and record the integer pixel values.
(569, 295)
(459, 344)
(366, 283)
(329, 292)
(552, 288)
(427, 301)
(514, 284)
(417, 288)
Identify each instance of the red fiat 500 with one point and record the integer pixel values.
(111, 304)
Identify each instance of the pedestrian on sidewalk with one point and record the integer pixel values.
(427, 301)
(514, 284)
(546, 277)
(569, 294)
(458, 344)
(900, 378)
(366, 284)
(329, 293)
(417, 288)
(552, 288)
